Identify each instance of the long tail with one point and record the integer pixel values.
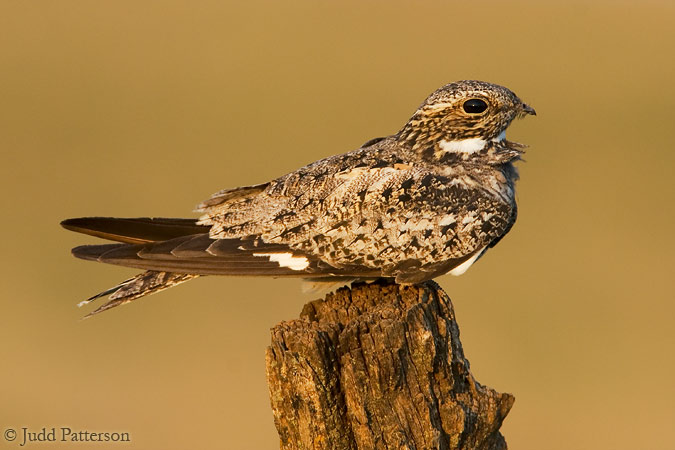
(136, 231)
(173, 251)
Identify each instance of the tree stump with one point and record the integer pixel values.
(379, 366)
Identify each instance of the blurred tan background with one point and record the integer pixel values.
(133, 108)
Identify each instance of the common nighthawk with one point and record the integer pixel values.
(428, 200)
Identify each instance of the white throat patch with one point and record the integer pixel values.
(468, 146)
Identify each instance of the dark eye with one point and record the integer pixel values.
(475, 106)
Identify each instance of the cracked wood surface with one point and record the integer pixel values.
(379, 366)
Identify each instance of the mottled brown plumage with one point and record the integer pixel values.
(412, 206)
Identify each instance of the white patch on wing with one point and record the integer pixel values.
(472, 145)
(287, 260)
(501, 137)
(466, 264)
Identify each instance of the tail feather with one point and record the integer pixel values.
(132, 234)
(173, 251)
(145, 283)
(135, 230)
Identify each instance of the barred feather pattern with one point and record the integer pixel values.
(384, 206)
(145, 283)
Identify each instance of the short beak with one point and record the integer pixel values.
(527, 109)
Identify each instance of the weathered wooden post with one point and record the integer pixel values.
(379, 366)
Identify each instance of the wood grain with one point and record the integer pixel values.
(379, 366)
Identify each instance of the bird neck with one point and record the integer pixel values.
(446, 148)
(477, 151)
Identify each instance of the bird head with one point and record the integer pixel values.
(464, 110)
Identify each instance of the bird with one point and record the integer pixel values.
(409, 207)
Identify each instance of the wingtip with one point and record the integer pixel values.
(93, 252)
(69, 224)
(77, 224)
